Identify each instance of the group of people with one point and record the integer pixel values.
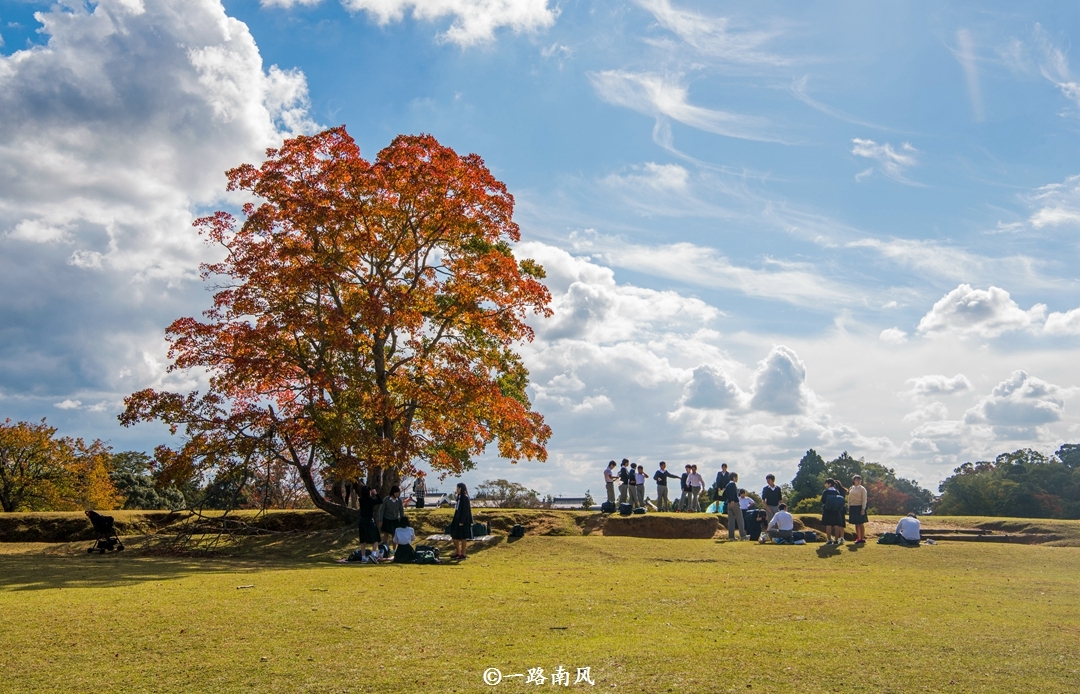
(839, 506)
(375, 536)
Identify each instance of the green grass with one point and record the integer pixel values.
(645, 615)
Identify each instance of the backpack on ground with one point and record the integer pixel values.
(810, 536)
(798, 535)
(625, 509)
(889, 539)
(481, 529)
(607, 507)
(428, 548)
(639, 511)
(517, 531)
(426, 558)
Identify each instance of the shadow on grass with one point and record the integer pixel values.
(828, 551)
(147, 560)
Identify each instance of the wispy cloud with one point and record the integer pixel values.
(714, 36)
(663, 96)
(890, 162)
(966, 55)
(799, 91)
(686, 262)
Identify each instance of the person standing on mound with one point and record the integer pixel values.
(624, 480)
(832, 512)
(461, 526)
(631, 483)
(641, 477)
(857, 505)
(695, 483)
(369, 532)
(609, 481)
(663, 503)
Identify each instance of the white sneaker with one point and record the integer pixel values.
(841, 541)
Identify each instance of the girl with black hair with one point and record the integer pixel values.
(832, 511)
(461, 526)
(369, 532)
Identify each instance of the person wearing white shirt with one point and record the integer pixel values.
(695, 483)
(640, 478)
(745, 502)
(910, 529)
(609, 481)
(782, 524)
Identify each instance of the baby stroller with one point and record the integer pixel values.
(107, 539)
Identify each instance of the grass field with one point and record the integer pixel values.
(645, 616)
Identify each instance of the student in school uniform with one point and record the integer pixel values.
(624, 480)
(857, 504)
(661, 477)
(609, 481)
(770, 496)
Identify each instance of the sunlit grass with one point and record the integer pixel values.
(644, 615)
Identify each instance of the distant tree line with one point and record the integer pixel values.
(887, 493)
(1024, 483)
(42, 472)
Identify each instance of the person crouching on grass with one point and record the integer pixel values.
(369, 532)
(393, 511)
(461, 526)
(857, 504)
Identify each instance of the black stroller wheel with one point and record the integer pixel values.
(90, 550)
(120, 548)
(101, 550)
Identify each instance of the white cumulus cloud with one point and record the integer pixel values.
(780, 383)
(982, 312)
(1019, 401)
(937, 384)
(474, 21)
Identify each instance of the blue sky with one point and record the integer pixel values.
(849, 226)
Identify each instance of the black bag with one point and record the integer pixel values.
(798, 535)
(480, 529)
(428, 548)
(607, 507)
(405, 554)
(426, 558)
(889, 539)
(517, 531)
(810, 536)
(639, 511)
(625, 509)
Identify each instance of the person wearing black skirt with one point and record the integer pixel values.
(461, 526)
(857, 501)
(369, 532)
(832, 512)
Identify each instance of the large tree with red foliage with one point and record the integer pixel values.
(365, 318)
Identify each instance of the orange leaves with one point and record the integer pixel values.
(369, 312)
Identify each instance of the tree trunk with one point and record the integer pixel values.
(383, 479)
(339, 511)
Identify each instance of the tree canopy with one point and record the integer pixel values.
(1024, 483)
(40, 472)
(365, 319)
(888, 493)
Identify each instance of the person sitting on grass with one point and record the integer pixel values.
(369, 532)
(909, 530)
(393, 512)
(461, 525)
(782, 524)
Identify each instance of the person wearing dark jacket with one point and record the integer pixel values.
(832, 511)
(722, 478)
(461, 525)
(770, 496)
(684, 499)
(369, 532)
(631, 481)
(731, 507)
(624, 480)
(661, 477)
